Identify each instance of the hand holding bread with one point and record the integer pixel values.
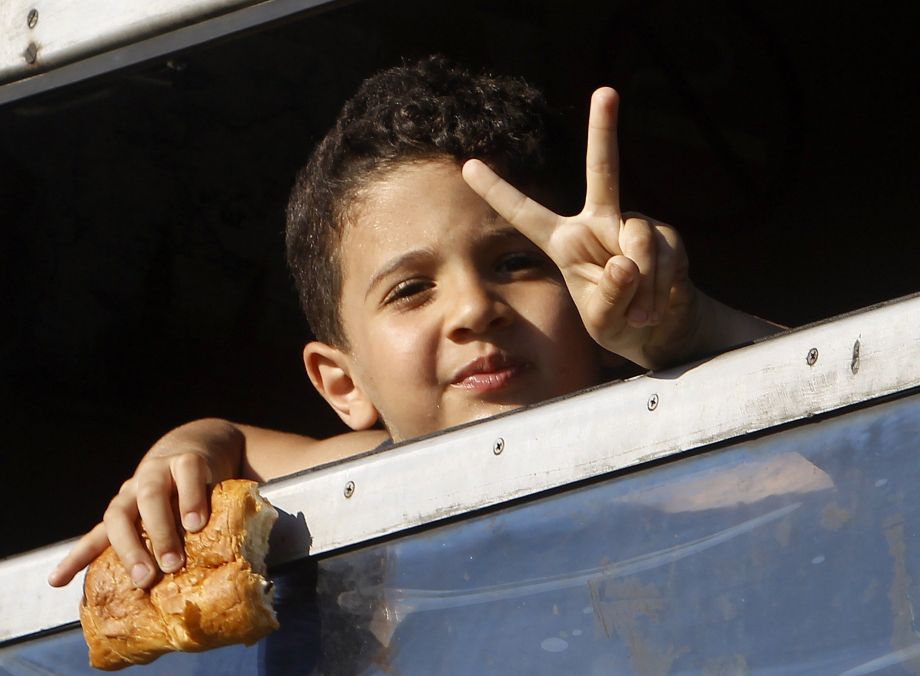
(174, 473)
(219, 597)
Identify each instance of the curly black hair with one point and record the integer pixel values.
(431, 109)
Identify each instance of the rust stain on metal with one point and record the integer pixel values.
(733, 665)
(619, 608)
(834, 517)
(31, 53)
(783, 531)
(903, 636)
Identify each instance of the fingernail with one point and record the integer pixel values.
(621, 271)
(170, 562)
(139, 572)
(193, 521)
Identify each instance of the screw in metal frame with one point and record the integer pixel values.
(812, 356)
(31, 53)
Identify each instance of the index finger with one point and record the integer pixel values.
(84, 551)
(602, 159)
(535, 221)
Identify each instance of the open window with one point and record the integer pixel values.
(145, 161)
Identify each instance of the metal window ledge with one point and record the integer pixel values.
(786, 378)
(59, 42)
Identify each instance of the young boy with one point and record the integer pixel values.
(438, 293)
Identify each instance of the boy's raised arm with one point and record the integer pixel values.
(175, 474)
(627, 273)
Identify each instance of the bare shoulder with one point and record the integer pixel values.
(344, 446)
(270, 453)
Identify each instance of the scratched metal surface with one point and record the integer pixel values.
(798, 552)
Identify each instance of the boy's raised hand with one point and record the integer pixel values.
(627, 274)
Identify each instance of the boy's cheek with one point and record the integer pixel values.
(403, 345)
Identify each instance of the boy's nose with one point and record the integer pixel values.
(476, 309)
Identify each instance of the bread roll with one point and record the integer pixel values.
(218, 598)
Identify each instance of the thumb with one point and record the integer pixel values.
(606, 311)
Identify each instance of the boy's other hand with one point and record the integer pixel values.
(169, 487)
(628, 274)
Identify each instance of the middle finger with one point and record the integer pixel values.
(154, 502)
(638, 242)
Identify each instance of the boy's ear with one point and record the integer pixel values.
(330, 371)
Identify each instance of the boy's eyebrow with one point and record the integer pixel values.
(507, 232)
(408, 258)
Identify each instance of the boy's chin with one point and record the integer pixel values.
(484, 410)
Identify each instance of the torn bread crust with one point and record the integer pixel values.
(218, 598)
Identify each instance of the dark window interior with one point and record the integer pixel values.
(141, 212)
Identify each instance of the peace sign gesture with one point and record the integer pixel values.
(628, 274)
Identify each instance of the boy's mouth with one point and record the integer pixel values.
(489, 373)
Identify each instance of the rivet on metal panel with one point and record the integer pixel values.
(32, 19)
(652, 402)
(854, 362)
(812, 356)
(349, 489)
(31, 53)
(498, 446)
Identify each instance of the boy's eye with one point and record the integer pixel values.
(520, 260)
(406, 291)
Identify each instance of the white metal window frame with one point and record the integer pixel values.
(51, 43)
(783, 379)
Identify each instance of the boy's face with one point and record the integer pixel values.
(451, 314)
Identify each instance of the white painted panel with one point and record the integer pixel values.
(39, 34)
(612, 427)
(27, 603)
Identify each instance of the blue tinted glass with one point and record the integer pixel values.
(797, 552)
(794, 553)
(65, 654)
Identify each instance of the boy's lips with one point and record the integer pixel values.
(485, 374)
